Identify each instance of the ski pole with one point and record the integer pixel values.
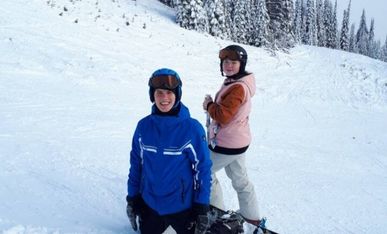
(208, 121)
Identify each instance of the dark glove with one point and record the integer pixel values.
(207, 101)
(201, 212)
(133, 209)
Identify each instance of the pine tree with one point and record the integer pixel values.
(372, 46)
(362, 35)
(310, 27)
(297, 23)
(281, 18)
(344, 36)
(249, 20)
(329, 24)
(216, 18)
(352, 40)
(241, 22)
(334, 30)
(321, 31)
(383, 51)
(228, 13)
(260, 19)
(377, 49)
(303, 22)
(288, 41)
(191, 15)
(169, 3)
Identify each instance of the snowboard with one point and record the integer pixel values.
(232, 222)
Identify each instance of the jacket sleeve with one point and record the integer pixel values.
(134, 177)
(202, 166)
(229, 104)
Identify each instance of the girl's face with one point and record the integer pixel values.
(164, 99)
(231, 67)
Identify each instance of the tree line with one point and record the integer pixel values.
(280, 24)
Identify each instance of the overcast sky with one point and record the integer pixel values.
(376, 9)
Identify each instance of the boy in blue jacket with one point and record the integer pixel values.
(170, 168)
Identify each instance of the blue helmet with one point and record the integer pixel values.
(165, 78)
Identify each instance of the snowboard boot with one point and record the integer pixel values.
(253, 222)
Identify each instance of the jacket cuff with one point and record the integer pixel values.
(200, 209)
(133, 199)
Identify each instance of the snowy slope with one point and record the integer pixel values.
(73, 84)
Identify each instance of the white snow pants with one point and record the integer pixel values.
(235, 168)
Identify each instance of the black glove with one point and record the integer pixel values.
(201, 212)
(133, 209)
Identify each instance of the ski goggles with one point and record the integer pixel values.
(230, 54)
(164, 82)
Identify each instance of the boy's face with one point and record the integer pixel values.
(164, 99)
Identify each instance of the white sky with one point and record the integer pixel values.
(374, 9)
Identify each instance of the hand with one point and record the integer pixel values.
(201, 213)
(207, 100)
(202, 224)
(132, 210)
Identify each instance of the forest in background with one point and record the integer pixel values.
(280, 24)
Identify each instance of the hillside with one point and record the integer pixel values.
(73, 84)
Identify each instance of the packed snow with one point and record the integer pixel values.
(73, 85)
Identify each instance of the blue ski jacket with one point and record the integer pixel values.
(170, 166)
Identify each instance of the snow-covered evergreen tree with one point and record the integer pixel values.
(250, 13)
(281, 18)
(321, 31)
(311, 26)
(169, 3)
(372, 45)
(288, 41)
(215, 10)
(352, 39)
(344, 36)
(334, 30)
(303, 21)
(330, 26)
(297, 23)
(377, 49)
(260, 22)
(362, 35)
(228, 13)
(241, 22)
(191, 15)
(383, 51)
(289, 13)
(327, 22)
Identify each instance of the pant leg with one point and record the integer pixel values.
(219, 161)
(247, 198)
(181, 222)
(216, 197)
(151, 222)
